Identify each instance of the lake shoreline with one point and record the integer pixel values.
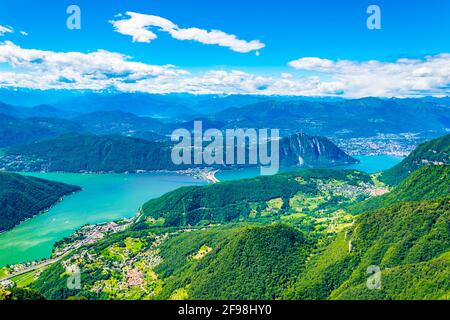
(108, 198)
(43, 211)
(104, 198)
(205, 174)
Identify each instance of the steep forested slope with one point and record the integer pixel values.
(15, 131)
(303, 150)
(260, 197)
(408, 242)
(258, 263)
(100, 153)
(427, 183)
(436, 151)
(23, 197)
(77, 153)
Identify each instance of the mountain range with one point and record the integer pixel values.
(114, 153)
(349, 118)
(316, 233)
(42, 111)
(275, 254)
(119, 122)
(15, 131)
(155, 116)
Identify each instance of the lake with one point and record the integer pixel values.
(108, 197)
(369, 164)
(105, 197)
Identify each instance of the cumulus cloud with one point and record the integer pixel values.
(96, 70)
(39, 69)
(235, 82)
(4, 30)
(139, 27)
(402, 78)
(312, 63)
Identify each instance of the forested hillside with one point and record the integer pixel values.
(23, 197)
(309, 151)
(310, 234)
(258, 263)
(89, 153)
(15, 131)
(118, 153)
(436, 151)
(427, 183)
(315, 191)
(408, 242)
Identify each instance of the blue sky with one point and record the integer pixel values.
(290, 30)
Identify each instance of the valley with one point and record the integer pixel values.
(104, 198)
(109, 197)
(153, 260)
(224, 159)
(143, 228)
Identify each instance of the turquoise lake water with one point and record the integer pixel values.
(111, 197)
(369, 164)
(105, 197)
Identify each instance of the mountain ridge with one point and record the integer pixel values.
(114, 153)
(22, 197)
(436, 151)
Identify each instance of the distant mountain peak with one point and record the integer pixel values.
(303, 150)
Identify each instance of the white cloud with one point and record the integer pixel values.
(312, 63)
(138, 26)
(8, 29)
(47, 69)
(235, 82)
(4, 30)
(287, 75)
(404, 77)
(39, 69)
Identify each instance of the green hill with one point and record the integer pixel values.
(15, 131)
(21, 294)
(23, 197)
(303, 150)
(436, 151)
(187, 246)
(115, 153)
(409, 242)
(284, 195)
(427, 183)
(257, 263)
(81, 153)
